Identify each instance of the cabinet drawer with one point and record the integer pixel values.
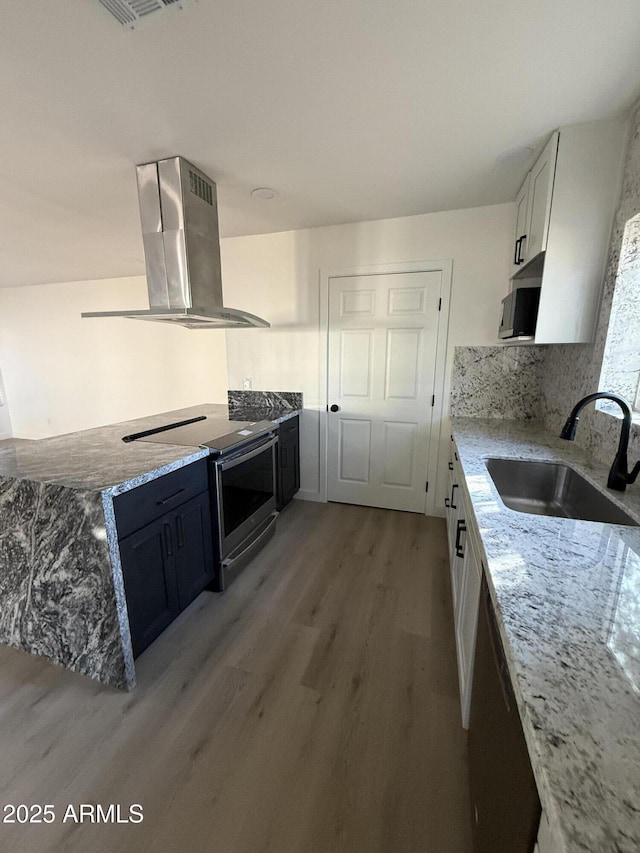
(142, 505)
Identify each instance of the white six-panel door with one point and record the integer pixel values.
(383, 332)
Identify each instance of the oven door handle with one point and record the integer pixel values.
(221, 465)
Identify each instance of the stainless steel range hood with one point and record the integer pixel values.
(179, 214)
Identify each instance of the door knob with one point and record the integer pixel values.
(335, 408)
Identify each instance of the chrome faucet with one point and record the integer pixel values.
(619, 475)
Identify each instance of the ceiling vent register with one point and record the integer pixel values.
(130, 12)
(200, 187)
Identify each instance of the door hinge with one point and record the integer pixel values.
(433, 399)
(427, 487)
(440, 304)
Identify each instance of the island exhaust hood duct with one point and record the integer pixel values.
(179, 214)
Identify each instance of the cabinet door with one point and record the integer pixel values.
(460, 537)
(452, 506)
(194, 561)
(289, 469)
(454, 534)
(520, 236)
(288, 462)
(540, 193)
(546, 840)
(149, 581)
(466, 623)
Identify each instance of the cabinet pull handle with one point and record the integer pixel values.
(453, 488)
(179, 532)
(516, 252)
(170, 498)
(461, 528)
(447, 503)
(520, 259)
(167, 539)
(451, 466)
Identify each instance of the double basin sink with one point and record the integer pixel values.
(551, 488)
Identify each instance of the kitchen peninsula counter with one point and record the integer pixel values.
(61, 586)
(566, 595)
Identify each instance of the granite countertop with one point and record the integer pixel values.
(97, 459)
(567, 597)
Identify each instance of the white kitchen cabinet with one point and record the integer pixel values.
(533, 206)
(455, 523)
(547, 841)
(520, 236)
(539, 199)
(451, 506)
(466, 575)
(573, 190)
(466, 620)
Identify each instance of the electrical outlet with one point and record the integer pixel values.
(247, 383)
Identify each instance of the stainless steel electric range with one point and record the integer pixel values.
(242, 469)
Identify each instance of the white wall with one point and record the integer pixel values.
(5, 419)
(277, 277)
(62, 373)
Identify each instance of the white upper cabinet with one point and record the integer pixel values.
(571, 195)
(533, 207)
(539, 202)
(520, 237)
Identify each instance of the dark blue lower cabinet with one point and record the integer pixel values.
(194, 561)
(288, 461)
(149, 581)
(165, 565)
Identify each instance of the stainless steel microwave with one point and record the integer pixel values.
(519, 313)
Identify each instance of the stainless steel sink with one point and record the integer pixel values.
(550, 488)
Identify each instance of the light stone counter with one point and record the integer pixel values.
(61, 587)
(567, 598)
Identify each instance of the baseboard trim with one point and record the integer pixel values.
(23, 436)
(308, 495)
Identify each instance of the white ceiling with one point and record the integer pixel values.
(351, 109)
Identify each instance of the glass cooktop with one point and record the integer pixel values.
(216, 433)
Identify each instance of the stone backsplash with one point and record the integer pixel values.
(497, 382)
(264, 399)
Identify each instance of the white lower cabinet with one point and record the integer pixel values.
(466, 573)
(547, 841)
(466, 622)
(455, 521)
(466, 576)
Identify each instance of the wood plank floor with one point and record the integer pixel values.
(312, 708)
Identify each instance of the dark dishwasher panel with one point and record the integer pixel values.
(503, 790)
